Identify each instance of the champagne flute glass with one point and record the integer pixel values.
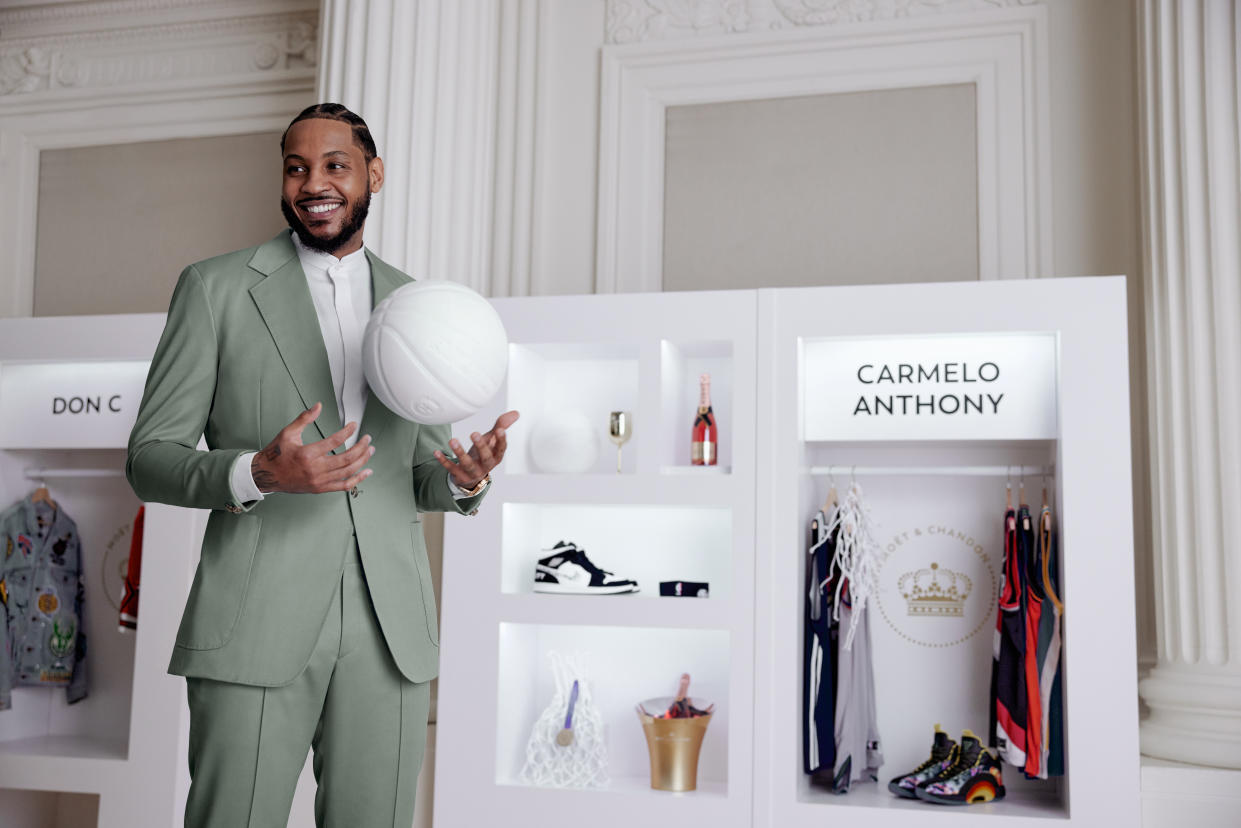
(620, 429)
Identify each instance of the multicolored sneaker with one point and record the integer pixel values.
(975, 777)
(943, 755)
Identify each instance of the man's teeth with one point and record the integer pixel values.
(322, 208)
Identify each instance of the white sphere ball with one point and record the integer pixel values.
(435, 352)
(564, 442)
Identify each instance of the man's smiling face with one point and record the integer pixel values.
(327, 185)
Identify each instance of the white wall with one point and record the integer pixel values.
(118, 223)
(1093, 168)
(852, 188)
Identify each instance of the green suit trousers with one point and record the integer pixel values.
(366, 723)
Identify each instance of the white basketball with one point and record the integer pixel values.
(564, 442)
(435, 352)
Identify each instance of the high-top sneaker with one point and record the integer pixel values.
(568, 570)
(943, 754)
(975, 777)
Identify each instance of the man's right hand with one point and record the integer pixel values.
(287, 465)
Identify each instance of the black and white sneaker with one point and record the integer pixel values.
(568, 571)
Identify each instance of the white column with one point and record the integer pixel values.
(1192, 261)
(425, 76)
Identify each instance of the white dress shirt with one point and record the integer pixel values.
(341, 291)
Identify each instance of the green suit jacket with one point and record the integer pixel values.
(240, 357)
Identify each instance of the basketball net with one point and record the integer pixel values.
(582, 764)
(856, 557)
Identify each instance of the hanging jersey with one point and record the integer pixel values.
(1049, 651)
(818, 674)
(1008, 720)
(858, 751)
(1033, 611)
(133, 571)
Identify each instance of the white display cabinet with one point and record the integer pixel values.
(935, 483)
(69, 391)
(659, 519)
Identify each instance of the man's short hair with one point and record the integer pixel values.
(337, 112)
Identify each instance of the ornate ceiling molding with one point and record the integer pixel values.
(635, 21)
(51, 18)
(204, 51)
(45, 12)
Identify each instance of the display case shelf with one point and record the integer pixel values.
(628, 801)
(566, 392)
(1070, 416)
(48, 809)
(819, 804)
(103, 508)
(691, 470)
(70, 746)
(661, 519)
(623, 666)
(673, 489)
(682, 362)
(641, 542)
(111, 759)
(639, 787)
(616, 610)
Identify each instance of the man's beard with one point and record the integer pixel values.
(353, 223)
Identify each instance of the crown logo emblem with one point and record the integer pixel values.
(935, 592)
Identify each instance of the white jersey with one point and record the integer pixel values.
(858, 751)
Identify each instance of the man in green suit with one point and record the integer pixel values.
(311, 622)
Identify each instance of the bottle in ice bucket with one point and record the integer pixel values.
(674, 734)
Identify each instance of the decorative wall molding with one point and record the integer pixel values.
(636, 21)
(69, 18)
(202, 53)
(56, 12)
(1190, 112)
(97, 73)
(1003, 53)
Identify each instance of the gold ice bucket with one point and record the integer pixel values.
(674, 745)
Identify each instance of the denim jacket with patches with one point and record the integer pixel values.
(41, 592)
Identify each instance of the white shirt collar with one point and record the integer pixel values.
(326, 261)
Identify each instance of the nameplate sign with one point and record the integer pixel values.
(960, 387)
(69, 405)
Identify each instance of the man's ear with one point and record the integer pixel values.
(375, 171)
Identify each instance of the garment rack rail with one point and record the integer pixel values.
(40, 474)
(1012, 472)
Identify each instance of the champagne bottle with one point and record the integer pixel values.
(705, 441)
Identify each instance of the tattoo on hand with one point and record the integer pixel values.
(271, 452)
(266, 481)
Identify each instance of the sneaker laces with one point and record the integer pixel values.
(576, 553)
(580, 554)
(964, 763)
(935, 760)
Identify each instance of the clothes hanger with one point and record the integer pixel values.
(1021, 490)
(42, 495)
(832, 497)
(1008, 488)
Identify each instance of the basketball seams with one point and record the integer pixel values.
(456, 350)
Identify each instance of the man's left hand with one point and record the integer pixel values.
(469, 469)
